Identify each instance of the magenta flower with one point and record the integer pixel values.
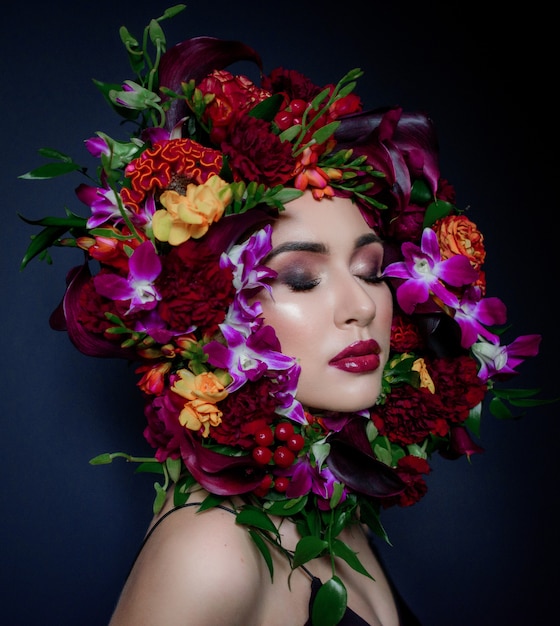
(102, 202)
(144, 268)
(502, 360)
(423, 272)
(474, 313)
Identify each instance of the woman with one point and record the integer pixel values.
(252, 242)
(332, 311)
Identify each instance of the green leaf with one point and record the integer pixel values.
(159, 500)
(51, 170)
(252, 516)
(72, 221)
(436, 210)
(174, 468)
(286, 507)
(150, 467)
(263, 549)
(322, 134)
(40, 242)
(330, 603)
(267, 109)
(340, 549)
(308, 548)
(51, 153)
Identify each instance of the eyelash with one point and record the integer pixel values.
(299, 286)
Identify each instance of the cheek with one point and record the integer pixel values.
(294, 323)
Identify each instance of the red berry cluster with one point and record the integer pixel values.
(291, 115)
(276, 447)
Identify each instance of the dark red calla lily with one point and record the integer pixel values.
(217, 473)
(352, 462)
(65, 317)
(404, 144)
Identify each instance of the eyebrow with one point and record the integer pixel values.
(319, 248)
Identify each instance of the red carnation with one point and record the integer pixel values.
(409, 415)
(256, 154)
(458, 386)
(194, 289)
(244, 412)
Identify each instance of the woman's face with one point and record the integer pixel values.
(328, 307)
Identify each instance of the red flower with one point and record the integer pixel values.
(409, 469)
(164, 431)
(458, 386)
(256, 154)
(92, 308)
(409, 415)
(194, 289)
(404, 334)
(177, 161)
(244, 412)
(231, 95)
(295, 85)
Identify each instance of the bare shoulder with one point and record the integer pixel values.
(196, 568)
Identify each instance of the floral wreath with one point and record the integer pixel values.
(179, 226)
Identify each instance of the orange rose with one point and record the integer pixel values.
(458, 235)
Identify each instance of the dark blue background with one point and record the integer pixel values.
(481, 548)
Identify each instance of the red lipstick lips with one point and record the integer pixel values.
(359, 357)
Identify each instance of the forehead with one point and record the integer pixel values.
(326, 220)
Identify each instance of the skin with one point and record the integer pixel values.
(328, 295)
(200, 569)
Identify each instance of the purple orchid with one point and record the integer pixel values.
(248, 275)
(423, 270)
(97, 147)
(144, 268)
(102, 202)
(502, 360)
(474, 313)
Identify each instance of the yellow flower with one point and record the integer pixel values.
(205, 386)
(202, 391)
(199, 414)
(191, 215)
(425, 379)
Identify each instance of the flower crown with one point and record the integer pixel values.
(179, 224)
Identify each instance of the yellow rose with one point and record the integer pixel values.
(199, 414)
(191, 215)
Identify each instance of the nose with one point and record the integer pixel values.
(355, 303)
